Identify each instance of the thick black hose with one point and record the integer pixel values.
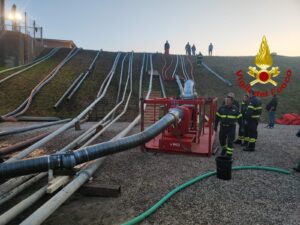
(69, 160)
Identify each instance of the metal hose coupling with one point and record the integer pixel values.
(67, 160)
(177, 113)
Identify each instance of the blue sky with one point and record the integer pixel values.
(235, 27)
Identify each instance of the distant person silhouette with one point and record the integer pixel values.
(199, 59)
(210, 49)
(194, 50)
(167, 48)
(188, 48)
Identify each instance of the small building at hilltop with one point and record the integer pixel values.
(56, 43)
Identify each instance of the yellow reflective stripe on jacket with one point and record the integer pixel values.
(254, 108)
(219, 115)
(228, 116)
(232, 117)
(228, 152)
(252, 140)
(229, 149)
(255, 116)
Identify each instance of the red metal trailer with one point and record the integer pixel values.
(194, 134)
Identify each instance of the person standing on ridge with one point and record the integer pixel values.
(188, 48)
(210, 49)
(167, 48)
(194, 50)
(271, 108)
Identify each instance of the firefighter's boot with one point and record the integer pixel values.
(245, 143)
(250, 147)
(237, 142)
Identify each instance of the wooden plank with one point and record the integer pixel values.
(100, 190)
(57, 183)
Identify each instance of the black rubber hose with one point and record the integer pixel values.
(69, 160)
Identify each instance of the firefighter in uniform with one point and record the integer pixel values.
(242, 128)
(252, 116)
(228, 114)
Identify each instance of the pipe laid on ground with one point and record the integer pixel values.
(163, 69)
(129, 78)
(176, 65)
(68, 90)
(217, 75)
(39, 216)
(61, 129)
(166, 70)
(80, 82)
(192, 67)
(30, 66)
(141, 80)
(69, 160)
(22, 108)
(20, 207)
(120, 83)
(10, 214)
(33, 127)
(162, 87)
(16, 181)
(37, 118)
(21, 145)
(151, 210)
(186, 77)
(179, 85)
(9, 195)
(109, 76)
(10, 184)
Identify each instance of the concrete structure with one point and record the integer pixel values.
(17, 48)
(54, 43)
(2, 14)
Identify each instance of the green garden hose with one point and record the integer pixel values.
(151, 210)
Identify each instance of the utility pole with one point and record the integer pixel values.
(14, 21)
(42, 41)
(25, 22)
(2, 14)
(26, 49)
(34, 29)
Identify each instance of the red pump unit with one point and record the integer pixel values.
(194, 134)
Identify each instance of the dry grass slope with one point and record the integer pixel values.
(14, 91)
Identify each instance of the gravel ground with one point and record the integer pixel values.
(250, 197)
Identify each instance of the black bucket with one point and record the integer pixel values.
(223, 167)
